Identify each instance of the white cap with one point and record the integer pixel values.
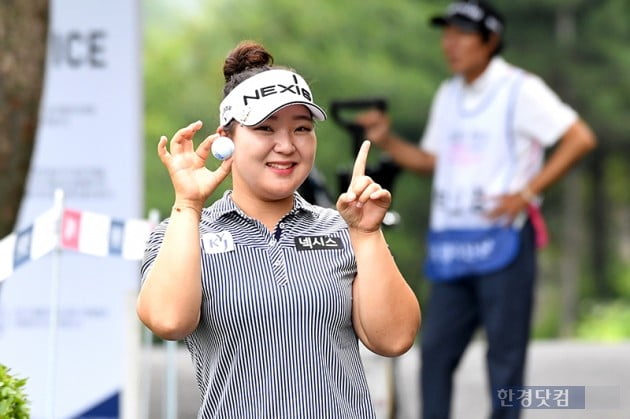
(258, 97)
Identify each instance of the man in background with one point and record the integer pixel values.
(484, 144)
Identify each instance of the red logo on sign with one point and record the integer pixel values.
(70, 227)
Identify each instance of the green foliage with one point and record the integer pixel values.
(606, 321)
(546, 322)
(587, 65)
(547, 326)
(621, 280)
(13, 401)
(618, 168)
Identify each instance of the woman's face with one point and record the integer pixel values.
(273, 158)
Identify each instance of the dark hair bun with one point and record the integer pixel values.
(246, 55)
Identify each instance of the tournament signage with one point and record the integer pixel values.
(73, 230)
(88, 145)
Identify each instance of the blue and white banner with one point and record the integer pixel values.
(101, 235)
(89, 144)
(29, 244)
(85, 232)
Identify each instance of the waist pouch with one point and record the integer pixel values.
(453, 254)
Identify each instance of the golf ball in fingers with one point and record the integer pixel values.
(222, 148)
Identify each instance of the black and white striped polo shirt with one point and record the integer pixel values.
(275, 338)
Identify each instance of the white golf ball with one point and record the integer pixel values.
(222, 148)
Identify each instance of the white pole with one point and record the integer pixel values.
(171, 379)
(137, 394)
(130, 396)
(54, 309)
(147, 349)
(147, 356)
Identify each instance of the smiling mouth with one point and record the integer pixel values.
(281, 166)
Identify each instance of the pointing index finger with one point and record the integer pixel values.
(361, 160)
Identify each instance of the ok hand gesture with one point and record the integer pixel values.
(365, 203)
(192, 181)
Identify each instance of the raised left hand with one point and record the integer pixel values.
(365, 203)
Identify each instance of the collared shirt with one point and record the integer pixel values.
(275, 339)
(540, 117)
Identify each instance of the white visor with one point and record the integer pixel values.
(258, 97)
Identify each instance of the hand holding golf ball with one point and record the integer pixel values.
(222, 148)
(193, 182)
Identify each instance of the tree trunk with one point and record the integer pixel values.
(600, 223)
(570, 256)
(23, 36)
(572, 237)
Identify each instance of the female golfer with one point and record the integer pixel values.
(269, 292)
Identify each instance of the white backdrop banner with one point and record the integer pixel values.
(89, 144)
